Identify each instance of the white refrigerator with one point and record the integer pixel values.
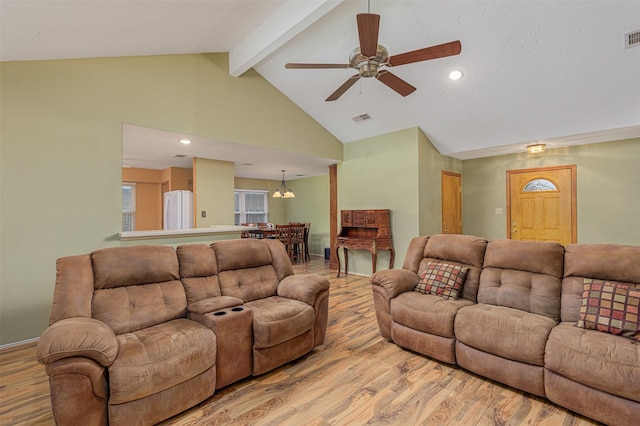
(178, 210)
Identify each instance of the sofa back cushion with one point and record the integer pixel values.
(461, 250)
(250, 269)
(136, 287)
(615, 263)
(198, 272)
(524, 275)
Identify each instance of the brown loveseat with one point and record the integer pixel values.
(139, 334)
(515, 320)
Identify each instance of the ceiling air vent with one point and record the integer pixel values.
(180, 155)
(632, 39)
(359, 118)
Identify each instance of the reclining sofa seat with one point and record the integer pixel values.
(119, 349)
(592, 372)
(278, 316)
(504, 336)
(421, 322)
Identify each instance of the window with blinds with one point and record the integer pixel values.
(251, 206)
(128, 206)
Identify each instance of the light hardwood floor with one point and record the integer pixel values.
(355, 378)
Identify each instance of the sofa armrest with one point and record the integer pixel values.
(213, 304)
(395, 281)
(78, 337)
(303, 287)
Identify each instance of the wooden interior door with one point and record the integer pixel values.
(451, 203)
(541, 204)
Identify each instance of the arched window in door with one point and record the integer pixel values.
(539, 185)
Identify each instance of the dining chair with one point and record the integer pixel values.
(283, 233)
(246, 234)
(297, 241)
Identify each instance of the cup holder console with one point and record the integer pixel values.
(234, 331)
(221, 313)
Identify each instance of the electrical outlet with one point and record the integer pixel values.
(498, 210)
(203, 213)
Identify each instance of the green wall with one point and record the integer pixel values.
(430, 168)
(311, 204)
(214, 186)
(608, 190)
(398, 171)
(61, 154)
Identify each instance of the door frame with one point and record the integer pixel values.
(574, 196)
(459, 176)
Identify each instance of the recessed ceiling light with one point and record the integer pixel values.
(455, 75)
(185, 141)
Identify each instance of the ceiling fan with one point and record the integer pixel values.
(370, 57)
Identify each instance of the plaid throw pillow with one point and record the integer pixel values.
(612, 308)
(442, 279)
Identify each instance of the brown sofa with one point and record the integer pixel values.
(515, 319)
(139, 334)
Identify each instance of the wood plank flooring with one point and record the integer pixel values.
(355, 378)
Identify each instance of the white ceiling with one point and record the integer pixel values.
(534, 71)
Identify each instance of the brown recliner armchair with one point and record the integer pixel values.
(120, 348)
(424, 323)
(263, 315)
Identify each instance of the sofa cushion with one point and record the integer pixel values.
(442, 279)
(277, 319)
(609, 262)
(426, 312)
(127, 309)
(612, 308)
(198, 271)
(250, 283)
(126, 266)
(524, 275)
(509, 333)
(461, 250)
(241, 254)
(600, 360)
(160, 357)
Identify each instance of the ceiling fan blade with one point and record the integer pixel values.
(368, 28)
(395, 82)
(316, 66)
(433, 52)
(345, 86)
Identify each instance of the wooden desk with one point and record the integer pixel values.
(365, 230)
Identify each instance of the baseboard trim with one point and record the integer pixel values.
(20, 343)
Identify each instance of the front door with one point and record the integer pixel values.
(541, 204)
(451, 203)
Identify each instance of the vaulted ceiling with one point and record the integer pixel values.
(533, 71)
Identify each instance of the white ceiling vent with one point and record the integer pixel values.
(632, 39)
(363, 117)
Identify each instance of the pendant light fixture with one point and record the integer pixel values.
(283, 191)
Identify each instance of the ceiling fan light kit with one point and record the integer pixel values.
(369, 57)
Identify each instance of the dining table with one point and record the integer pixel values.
(262, 233)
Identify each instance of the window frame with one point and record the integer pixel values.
(241, 213)
(133, 211)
